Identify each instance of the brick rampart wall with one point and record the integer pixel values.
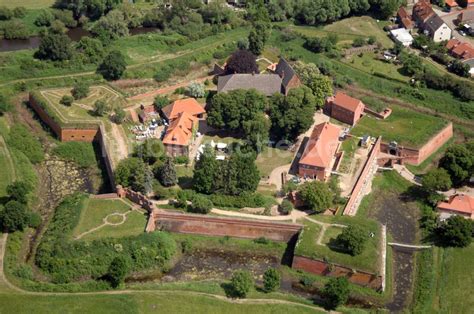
(417, 156)
(55, 127)
(366, 175)
(323, 268)
(78, 134)
(217, 226)
(135, 197)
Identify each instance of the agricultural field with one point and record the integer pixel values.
(308, 244)
(29, 4)
(406, 127)
(349, 29)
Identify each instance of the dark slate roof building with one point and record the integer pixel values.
(267, 84)
(288, 75)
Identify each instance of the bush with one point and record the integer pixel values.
(13, 217)
(336, 292)
(163, 75)
(261, 240)
(181, 160)
(66, 100)
(353, 239)
(118, 270)
(286, 207)
(34, 220)
(5, 13)
(82, 153)
(100, 108)
(358, 42)
(241, 283)
(201, 205)
(271, 280)
(21, 139)
(15, 29)
(80, 90)
(456, 231)
(252, 200)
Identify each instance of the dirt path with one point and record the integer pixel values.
(120, 142)
(276, 174)
(294, 216)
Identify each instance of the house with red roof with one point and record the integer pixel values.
(405, 19)
(183, 116)
(319, 154)
(458, 204)
(452, 4)
(459, 49)
(344, 108)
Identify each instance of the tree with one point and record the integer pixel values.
(15, 29)
(14, 216)
(459, 162)
(100, 108)
(111, 26)
(201, 204)
(80, 90)
(316, 195)
(196, 90)
(261, 27)
(119, 115)
(256, 132)
(336, 292)
(293, 114)
(54, 47)
(353, 239)
(306, 71)
(240, 174)
(460, 68)
(286, 207)
(241, 61)
(18, 191)
(66, 100)
(113, 66)
(205, 171)
(456, 231)
(241, 283)
(118, 270)
(134, 173)
(161, 101)
(44, 18)
(412, 64)
(271, 280)
(92, 49)
(358, 42)
(388, 7)
(167, 175)
(57, 27)
(436, 180)
(150, 151)
(5, 13)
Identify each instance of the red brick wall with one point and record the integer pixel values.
(293, 83)
(78, 135)
(45, 117)
(311, 172)
(217, 226)
(322, 268)
(343, 114)
(365, 175)
(176, 150)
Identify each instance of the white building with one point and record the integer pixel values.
(437, 29)
(402, 36)
(470, 62)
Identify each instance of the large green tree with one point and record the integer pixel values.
(167, 173)
(459, 162)
(293, 114)
(456, 231)
(19, 191)
(134, 173)
(336, 292)
(205, 171)
(317, 195)
(151, 150)
(118, 270)
(14, 216)
(436, 180)
(353, 239)
(54, 47)
(113, 66)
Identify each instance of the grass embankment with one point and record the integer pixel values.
(406, 127)
(366, 261)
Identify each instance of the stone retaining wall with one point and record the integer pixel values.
(219, 226)
(322, 268)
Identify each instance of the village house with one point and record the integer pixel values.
(428, 21)
(459, 49)
(183, 116)
(405, 19)
(344, 108)
(281, 81)
(458, 204)
(318, 157)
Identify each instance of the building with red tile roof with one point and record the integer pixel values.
(318, 157)
(460, 50)
(183, 116)
(458, 204)
(190, 105)
(452, 3)
(404, 18)
(344, 108)
(179, 134)
(422, 11)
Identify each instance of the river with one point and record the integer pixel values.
(75, 34)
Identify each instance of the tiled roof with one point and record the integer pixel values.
(321, 146)
(268, 84)
(434, 23)
(459, 203)
(451, 3)
(460, 49)
(189, 105)
(346, 102)
(423, 10)
(285, 71)
(180, 130)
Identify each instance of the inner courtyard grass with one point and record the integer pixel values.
(366, 261)
(133, 225)
(271, 158)
(406, 127)
(95, 210)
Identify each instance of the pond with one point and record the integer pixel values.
(75, 34)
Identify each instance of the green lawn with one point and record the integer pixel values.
(407, 127)
(348, 146)
(331, 234)
(94, 212)
(29, 4)
(368, 63)
(349, 29)
(272, 158)
(6, 167)
(133, 225)
(138, 302)
(366, 261)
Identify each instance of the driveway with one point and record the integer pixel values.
(449, 19)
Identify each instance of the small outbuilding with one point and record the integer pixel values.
(402, 36)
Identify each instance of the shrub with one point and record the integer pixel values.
(66, 100)
(181, 160)
(241, 283)
(456, 231)
(201, 205)
(18, 191)
(271, 280)
(336, 292)
(13, 217)
(161, 101)
(358, 42)
(82, 153)
(286, 207)
(163, 75)
(353, 239)
(80, 90)
(261, 240)
(100, 108)
(118, 270)
(196, 90)
(34, 220)
(113, 66)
